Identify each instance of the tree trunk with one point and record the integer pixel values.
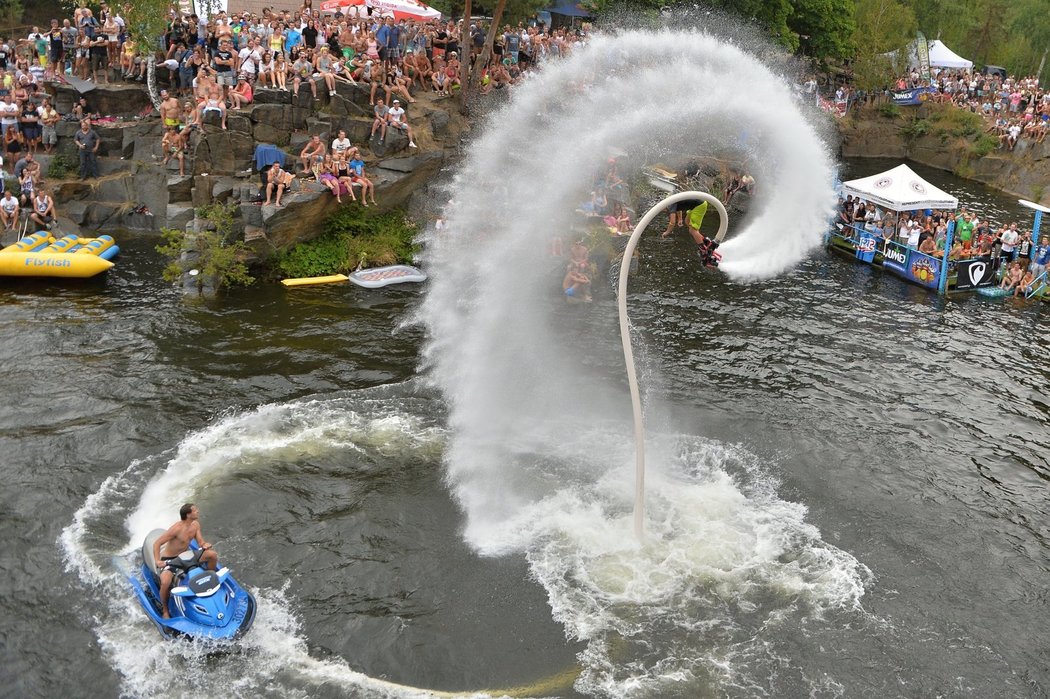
(490, 38)
(151, 80)
(464, 64)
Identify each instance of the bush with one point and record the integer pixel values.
(62, 166)
(351, 237)
(889, 110)
(985, 144)
(917, 128)
(217, 257)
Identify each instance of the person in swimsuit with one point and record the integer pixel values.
(175, 541)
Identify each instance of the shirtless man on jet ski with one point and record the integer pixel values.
(175, 541)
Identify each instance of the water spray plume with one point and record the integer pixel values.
(654, 97)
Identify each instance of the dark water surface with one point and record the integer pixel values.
(914, 429)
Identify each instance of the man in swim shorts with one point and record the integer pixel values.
(175, 541)
(170, 112)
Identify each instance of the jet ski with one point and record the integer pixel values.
(203, 604)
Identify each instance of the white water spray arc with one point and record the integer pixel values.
(625, 336)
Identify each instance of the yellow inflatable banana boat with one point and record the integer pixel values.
(40, 255)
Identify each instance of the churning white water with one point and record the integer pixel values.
(540, 456)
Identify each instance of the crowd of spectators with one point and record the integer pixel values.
(1006, 245)
(216, 66)
(1014, 108)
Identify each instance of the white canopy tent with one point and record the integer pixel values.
(900, 189)
(943, 57)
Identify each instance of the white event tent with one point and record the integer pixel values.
(900, 189)
(943, 57)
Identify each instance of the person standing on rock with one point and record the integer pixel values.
(170, 112)
(87, 141)
(223, 63)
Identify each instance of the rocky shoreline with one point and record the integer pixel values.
(136, 192)
(1023, 172)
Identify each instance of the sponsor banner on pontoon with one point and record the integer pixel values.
(975, 273)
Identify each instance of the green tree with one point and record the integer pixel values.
(882, 26)
(825, 27)
(11, 12)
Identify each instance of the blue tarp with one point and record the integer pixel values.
(569, 9)
(267, 154)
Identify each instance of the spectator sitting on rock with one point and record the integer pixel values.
(357, 175)
(241, 94)
(325, 66)
(280, 72)
(43, 210)
(341, 143)
(302, 71)
(397, 83)
(379, 123)
(312, 155)
(376, 79)
(418, 68)
(328, 178)
(439, 78)
(213, 103)
(396, 120)
(172, 146)
(9, 211)
(277, 180)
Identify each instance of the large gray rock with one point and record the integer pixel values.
(251, 214)
(179, 188)
(301, 216)
(179, 215)
(142, 221)
(410, 163)
(108, 100)
(223, 153)
(271, 96)
(141, 141)
(395, 142)
(356, 94)
(439, 124)
(223, 189)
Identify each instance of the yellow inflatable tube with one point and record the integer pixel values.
(304, 281)
(49, 264)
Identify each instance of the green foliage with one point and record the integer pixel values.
(217, 258)
(825, 28)
(351, 237)
(889, 110)
(984, 145)
(948, 121)
(63, 164)
(917, 128)
(11, 12)
(882, 26)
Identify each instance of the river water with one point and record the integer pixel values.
(887, 445)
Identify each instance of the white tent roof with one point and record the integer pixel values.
(900, 189)
(943, 57)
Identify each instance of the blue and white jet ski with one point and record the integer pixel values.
(203, 604)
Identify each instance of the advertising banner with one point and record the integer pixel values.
(866, 243)
(923, 269)
(895, 257)
(974, 273)
(916, 95)
(923, 48)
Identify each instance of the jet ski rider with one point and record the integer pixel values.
(175, 541)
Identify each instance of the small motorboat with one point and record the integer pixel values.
(203, 604)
